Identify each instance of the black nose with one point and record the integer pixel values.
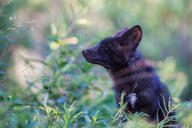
(84, 52)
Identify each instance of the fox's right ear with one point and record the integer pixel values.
(132, 37)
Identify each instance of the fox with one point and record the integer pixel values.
(132, 75)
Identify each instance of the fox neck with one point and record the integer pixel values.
(130, 67)
(129, 75)
(137, 69)
(131, 63)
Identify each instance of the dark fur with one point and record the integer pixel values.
(120, 56)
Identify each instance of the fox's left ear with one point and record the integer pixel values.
(132, 37)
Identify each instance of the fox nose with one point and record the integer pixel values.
(84, 52)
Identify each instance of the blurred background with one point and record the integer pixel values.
(44, 80)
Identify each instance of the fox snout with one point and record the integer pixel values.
(94, 56)
(91, 54)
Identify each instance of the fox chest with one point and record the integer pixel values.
(130, 97)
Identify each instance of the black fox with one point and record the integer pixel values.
(144, 91)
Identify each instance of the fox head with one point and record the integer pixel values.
(117, 51)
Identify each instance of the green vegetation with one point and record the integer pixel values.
(68, 91)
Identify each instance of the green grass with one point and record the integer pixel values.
(74, 94)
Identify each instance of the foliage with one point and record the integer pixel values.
(73, 93)
(71, 98)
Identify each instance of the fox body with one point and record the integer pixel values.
(144, 92)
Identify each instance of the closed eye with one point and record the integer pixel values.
(101, 48)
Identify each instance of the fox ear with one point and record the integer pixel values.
(120, 32)
(132, 37)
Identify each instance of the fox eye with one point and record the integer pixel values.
(102, 48)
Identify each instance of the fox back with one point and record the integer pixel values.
(119, 55)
